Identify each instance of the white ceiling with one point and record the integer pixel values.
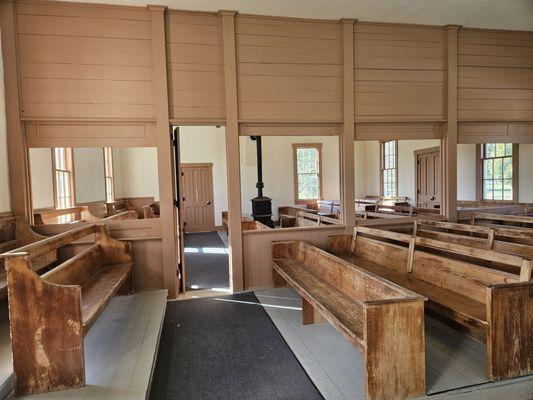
(497, 14)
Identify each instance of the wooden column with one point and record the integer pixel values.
(232, 152)
(348, 131)
(449, 142)
(19, 181)
(165, 165)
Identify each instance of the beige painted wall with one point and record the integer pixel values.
(89, 175)
(367, 167)
(278, 169)
(207, 144)
(136, 169)
(42, 184)
(466, 172)
(5, 201)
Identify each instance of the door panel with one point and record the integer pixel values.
(197, 197)
(428, 178)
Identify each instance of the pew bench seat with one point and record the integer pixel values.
(346, 312)
(455, 305)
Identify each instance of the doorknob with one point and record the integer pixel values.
(432, 198)
(208, 202)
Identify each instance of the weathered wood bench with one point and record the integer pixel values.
(502, 219)
(77, 214)
(151, 210)
(503, 240)
(50, 314)
(493, 306)
(15, 232)
(253, 226)
(383, 320)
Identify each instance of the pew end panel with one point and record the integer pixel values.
(395, 346)
(339, 244)
(46, 331)
(510, 334)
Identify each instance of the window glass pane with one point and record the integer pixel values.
(490, 150)
(498, 189)
(500, 149)
(307, 160)
(308, 186)
(507, 189)
(508, 168)
(508, 149)
(487, 169)
(498, 168)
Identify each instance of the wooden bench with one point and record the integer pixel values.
(509, 241)
(304, 218)
(493, 306)
(50, 314)
(77, 214)
(501, 219)
(15, 232)
(383, 320)
(151, 210)
(254, 226)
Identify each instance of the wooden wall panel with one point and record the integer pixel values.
(84, 61)
(510, 132)
(495, 79)
(195, 62)
(399, 73)
(257, 251)
(289, 70)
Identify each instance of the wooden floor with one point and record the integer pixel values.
(120, 349)
(453, 360)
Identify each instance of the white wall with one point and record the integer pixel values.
(5, 201)
(367, 164)
(89, 175)
(138, 172)
(525, 173)
(278, 169)
(466, 172)
(42, 184)
(207, 144)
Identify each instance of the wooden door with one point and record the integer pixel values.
(197, 197)
(427, 167)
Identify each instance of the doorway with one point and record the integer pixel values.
(427, 177)
(203, 199)
(197, 197)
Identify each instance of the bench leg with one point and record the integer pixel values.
(309, 314)
(127, 288)
(277, 280)
(395, 355)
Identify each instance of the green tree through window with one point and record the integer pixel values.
(307, 164)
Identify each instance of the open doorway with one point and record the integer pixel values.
(203, 203)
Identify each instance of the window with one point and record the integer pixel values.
(307, 172)
(389, 173)
(63, 185)
(108, 167)
(498, 170)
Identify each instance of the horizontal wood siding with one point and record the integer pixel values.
(84, 61)
(495, 81)
(399, 73)
(195, 61)
(288, 70)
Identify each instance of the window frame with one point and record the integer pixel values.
(480, 156)
(108, 167)
(382, 166)
(69, 161)
(295, 147)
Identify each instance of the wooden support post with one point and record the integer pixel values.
(232, 152)
(415, 228)
(411, 254)
(449, 142)
(525, 270)
(490, 239)
(348, 131)
(19, 179)
(354, 238)
(165, 166)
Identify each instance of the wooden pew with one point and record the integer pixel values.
(15, 232)
(406, 210)
(77, 214)
(384, 321)
(501, 219)
(253, 226)
(50, 314)
(244, 218)
(304, 218)
(493, 306)
(151, 210)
